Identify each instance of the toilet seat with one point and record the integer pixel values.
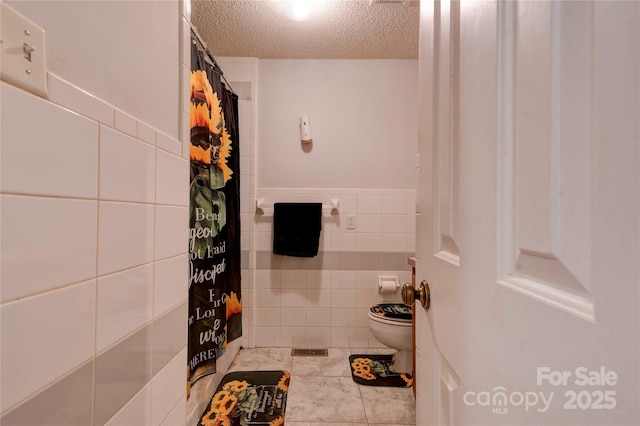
(397, 314)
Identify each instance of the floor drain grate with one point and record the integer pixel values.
(309, 352)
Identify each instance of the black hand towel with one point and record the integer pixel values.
(296, 229)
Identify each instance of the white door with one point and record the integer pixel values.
(528, 226)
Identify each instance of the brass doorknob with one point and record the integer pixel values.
(411, 294)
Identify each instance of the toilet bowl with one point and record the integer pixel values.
(390, 323)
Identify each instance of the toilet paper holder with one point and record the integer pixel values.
(388, 286)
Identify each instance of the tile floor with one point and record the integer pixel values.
(322, 393)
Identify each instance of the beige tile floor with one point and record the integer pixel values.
(322, 393)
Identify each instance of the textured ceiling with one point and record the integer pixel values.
(345, 29)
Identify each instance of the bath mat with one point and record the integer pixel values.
(246, 398)
(373, 370)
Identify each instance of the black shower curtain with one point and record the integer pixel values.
(215, 302)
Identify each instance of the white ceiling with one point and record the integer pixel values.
(337, 29)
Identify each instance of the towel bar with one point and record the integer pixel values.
(264, 209)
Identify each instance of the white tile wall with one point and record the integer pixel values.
(293, 298)
(344, 241)
(317, 317)
(56, 328)
(185, 72)
(51, 139)
(394, 242)
(395, 223)
(125, 303)
(369, 241)
(293, 279)
(318, 279)
(170, 238)
(137, 411)
(127, 168)
(245, 126)
(369, 223)
(185, 41)
(146, 133)
(170, 287)
(369, 204)
(265, 337)
(343, 298)
(185, 129)
(318, 297)
(341, 342)
(267, 317)
(267, 278)
(178, 413)
(168, 143)
(246, 144)
(69, 96)
(395, 204)
(343, 279)
(46, 243)
(186, 153)
(364, 279)
(267, 298)
(125, 236)
(125, 123)
(343, 317)
(164, 393)
(263, 241)
(330, 307)
(79, 234)
(171, 179)
(79, 231)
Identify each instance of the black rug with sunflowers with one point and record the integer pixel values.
(373, 370)
(244, 398)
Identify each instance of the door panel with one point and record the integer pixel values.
(446, 170)
(528, 225)
(546, 145)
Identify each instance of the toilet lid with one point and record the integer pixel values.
(396, 312)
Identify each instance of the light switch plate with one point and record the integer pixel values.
(23, 53)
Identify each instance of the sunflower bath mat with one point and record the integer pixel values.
(373, 370)
(248, 398)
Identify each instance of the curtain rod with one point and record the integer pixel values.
(195, 32)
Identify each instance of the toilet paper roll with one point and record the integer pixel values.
(387, 289)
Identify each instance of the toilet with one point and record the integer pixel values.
(390, 324)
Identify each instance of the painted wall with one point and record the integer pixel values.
(364, 123)
(94, 222)
(123, 52)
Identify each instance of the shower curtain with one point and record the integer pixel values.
(215, 302)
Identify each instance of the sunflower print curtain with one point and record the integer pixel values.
(215, 302)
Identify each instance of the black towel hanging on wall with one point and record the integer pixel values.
(296, 229)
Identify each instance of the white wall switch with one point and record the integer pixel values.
(23, 60)
(351, 221)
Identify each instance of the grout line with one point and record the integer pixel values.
(183, 396)
(95, 302)
(97, 199)
(47, 291)
(153, 272)
(60, 197)
(88, 279)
